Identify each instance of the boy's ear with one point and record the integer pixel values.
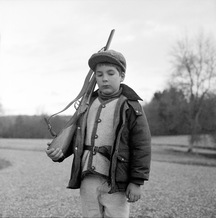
(122, 77)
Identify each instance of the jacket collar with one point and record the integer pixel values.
(128, 92)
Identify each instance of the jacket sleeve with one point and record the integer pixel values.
(139, 143)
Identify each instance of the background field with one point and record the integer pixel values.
(181, 185)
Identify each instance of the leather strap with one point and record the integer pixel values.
(82, 92)
(104, 150)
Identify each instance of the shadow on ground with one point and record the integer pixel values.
(4, 164)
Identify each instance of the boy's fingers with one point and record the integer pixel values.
(54, 153)
(133, 198)
(127, 193)
(49, 151)
(59, 154)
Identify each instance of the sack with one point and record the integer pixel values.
(64, 138)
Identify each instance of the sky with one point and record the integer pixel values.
(45, 46)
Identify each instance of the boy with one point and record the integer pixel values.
(111, 147)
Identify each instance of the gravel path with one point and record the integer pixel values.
(34, 186)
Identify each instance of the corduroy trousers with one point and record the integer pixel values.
(98, 203)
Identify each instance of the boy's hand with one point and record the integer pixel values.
(133, 192)
(54, 153)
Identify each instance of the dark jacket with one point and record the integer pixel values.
(131, 155)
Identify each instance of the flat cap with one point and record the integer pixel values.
(109, 56)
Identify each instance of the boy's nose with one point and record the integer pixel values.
(105, 78)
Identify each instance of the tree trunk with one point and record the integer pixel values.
(195, 129)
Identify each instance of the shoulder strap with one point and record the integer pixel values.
(80, 95)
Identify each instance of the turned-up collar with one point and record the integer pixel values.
(128, 92)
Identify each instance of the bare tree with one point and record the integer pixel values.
(194, 72)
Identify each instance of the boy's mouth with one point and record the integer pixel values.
(105, 86)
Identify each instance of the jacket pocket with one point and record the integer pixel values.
(122, 169)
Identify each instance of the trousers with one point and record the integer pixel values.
(98, 203)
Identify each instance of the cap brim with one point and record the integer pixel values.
(100, 58)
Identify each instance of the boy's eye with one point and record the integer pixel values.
(111, 73)
(98, 74)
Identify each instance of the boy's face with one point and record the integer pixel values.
(108, 79)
